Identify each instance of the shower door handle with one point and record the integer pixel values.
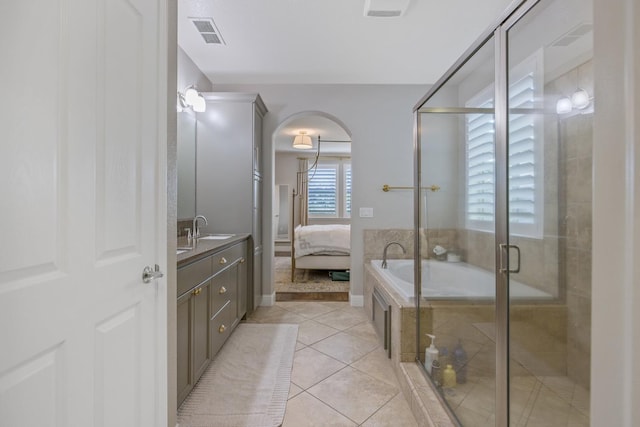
(504, 248)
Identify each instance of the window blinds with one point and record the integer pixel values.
(480, 132)
(522, 167)
(322, 190)
(347, 190)
(481, 166)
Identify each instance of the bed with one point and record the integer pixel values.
(321, 247)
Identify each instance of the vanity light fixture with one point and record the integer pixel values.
(302, 141)
(563, 106)
(191, 98)
(579, 100)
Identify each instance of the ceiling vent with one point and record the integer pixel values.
(208, 30)
(573, 35)
(385, 8)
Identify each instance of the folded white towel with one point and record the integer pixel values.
(439, 250)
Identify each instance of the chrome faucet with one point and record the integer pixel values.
(196, 230)
(384, 252)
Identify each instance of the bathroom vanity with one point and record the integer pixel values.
(213, 285)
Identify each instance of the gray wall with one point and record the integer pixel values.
(190, 74)
(380, 120)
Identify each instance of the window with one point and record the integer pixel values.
(329, 190)
(525, 156)
(480, 168)
(347, 191)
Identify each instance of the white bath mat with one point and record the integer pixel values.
(247, 383)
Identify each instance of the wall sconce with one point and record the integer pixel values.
(580, 100)
(191, 98)
(302, 141)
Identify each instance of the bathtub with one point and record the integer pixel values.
(450, 280)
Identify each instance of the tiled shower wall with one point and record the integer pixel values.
(576, 144)
(560, 262)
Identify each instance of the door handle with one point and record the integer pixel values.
(504, 248)
(149, 274)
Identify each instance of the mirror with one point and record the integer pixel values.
(281, 212)
(186, 131)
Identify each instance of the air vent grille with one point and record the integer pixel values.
(204, 26)
(208, 30)
(211, 38)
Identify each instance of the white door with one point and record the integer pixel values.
(82, 120)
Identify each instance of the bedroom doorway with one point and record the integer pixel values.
(312, 188)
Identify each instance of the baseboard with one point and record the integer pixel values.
(268, 300)
(312, 296)
(356, 300)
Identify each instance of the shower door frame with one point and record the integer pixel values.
(499, 32)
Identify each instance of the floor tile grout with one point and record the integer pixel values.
(350, 337)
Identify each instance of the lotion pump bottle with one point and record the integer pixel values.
(430, 353)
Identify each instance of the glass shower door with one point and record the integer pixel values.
(456, 224)
(549, 86)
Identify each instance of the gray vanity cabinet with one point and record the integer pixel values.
(212, 299)
(194, 350)
(229, 172)
(194, 343)
(184, 377)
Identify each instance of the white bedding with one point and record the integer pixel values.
(331, 239)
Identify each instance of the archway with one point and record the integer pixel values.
(332, 161)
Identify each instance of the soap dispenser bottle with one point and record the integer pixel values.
(430, 353)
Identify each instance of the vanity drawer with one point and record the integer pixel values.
(225, 258)
(221, 326)
(193, 274)
(223, 288)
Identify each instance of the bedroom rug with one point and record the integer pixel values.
(308, 284)
(247, 383)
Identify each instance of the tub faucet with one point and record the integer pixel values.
(384, 252)
(195, 230)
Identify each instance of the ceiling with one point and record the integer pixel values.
(331, 42)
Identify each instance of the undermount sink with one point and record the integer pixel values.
(216, 237)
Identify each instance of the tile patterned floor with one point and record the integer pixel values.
(341, 375)
(541, 395)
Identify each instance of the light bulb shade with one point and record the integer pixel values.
(580, 99)
(302, 142)
(199, 105)
(190, 95)
(564, 106)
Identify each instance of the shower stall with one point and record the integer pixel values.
(503, 192)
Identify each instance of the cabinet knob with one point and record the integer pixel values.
(222, 290)
(197, 292)
(222, 328)
(242, 260)
(223, 260)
